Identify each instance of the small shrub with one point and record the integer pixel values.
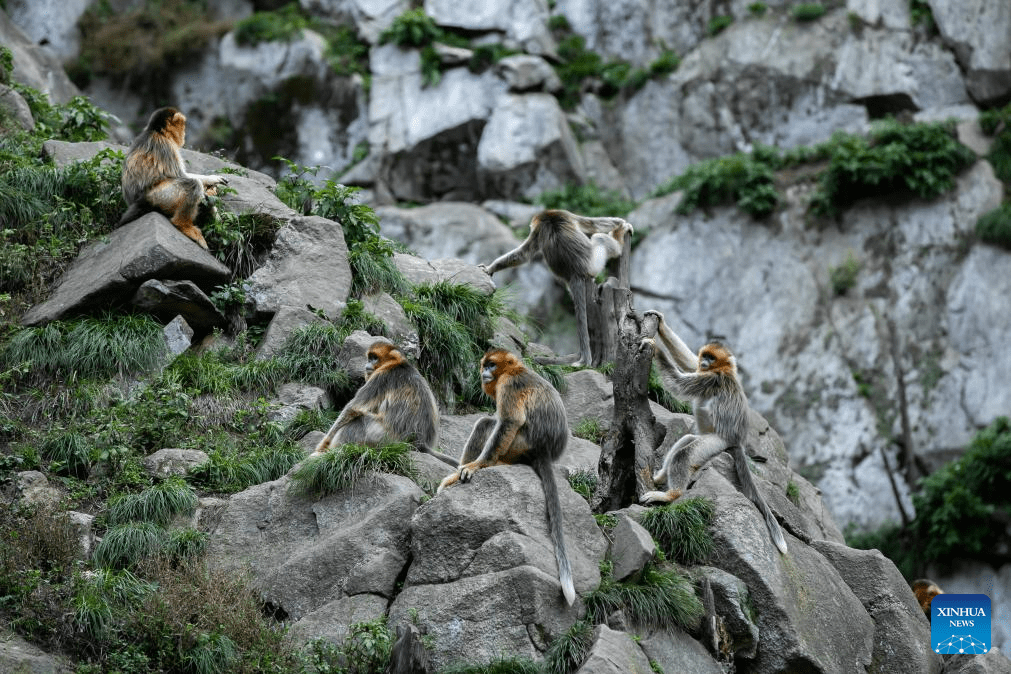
(793, 493)
(681, 529)
(241, 241)
(920, 14)
(844, 277)
(588, 200)
(994, 227)
(758, 8)
(584, 482)
(718, 24)
(569, 651)
(808, 11)
(663, 598)
(343, 466)
(744, 179)
(413, 28)
(922, 159)
(283, 25)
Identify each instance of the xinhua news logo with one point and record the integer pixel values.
(960, 623)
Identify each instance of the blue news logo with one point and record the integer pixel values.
(960, 623)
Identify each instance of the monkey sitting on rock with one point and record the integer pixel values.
(155, 178)
(529, 427)
(395, 404)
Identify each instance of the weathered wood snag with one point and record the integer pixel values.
(625, 467)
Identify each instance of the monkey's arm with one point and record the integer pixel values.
(675, 350)
(513, 258)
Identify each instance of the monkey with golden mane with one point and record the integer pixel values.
(576, 249)
(395, 404)
(155, 178)
(721, 419)
(529, 427)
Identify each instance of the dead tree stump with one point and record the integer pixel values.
(625, 467)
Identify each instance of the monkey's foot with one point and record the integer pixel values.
(447, 481)
(660, 496)
(467, 470)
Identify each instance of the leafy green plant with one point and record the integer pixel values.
(158, 504)
(663, 598)
(744, 179)
(413, 28)
(997, 123)
(584, 482)
(758, 8)
(681, 529)
(808, 11)
(569, 651)
(994, 227)
(282, 25)
(588, 200)
(959, 509)
(922, 159)
(718, 24)
(920, 14)
(241, 241)
(844, 277)
(656, 392)
(343, 466)
(347, 53)
(793, 493)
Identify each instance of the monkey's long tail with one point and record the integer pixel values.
(751, 491)
(546, 472)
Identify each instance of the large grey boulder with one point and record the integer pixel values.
(307, 268)
(902, 634)
(614, 653)
(36, 66)
(303, 553)
(488, 538)
(527, 148)
(808, 616)
(370, 17)
(979, 32)
(107, 272)
(523, 23)
(471, 234)
(19, 656)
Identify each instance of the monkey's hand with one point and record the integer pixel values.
(484, 268)
(654, 312)
(647, 343)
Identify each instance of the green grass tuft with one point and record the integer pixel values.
(503, 664)
(569, 651)
(588, 200)
(71, 452)
(663, 598)
(126, 545)
(994, 227)
(158, 504)
(584, 482)
(343, 466)
(681, 529)
(808, 11)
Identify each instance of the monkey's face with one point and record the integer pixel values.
(381, 355)
(493, 365)
(716, 358)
